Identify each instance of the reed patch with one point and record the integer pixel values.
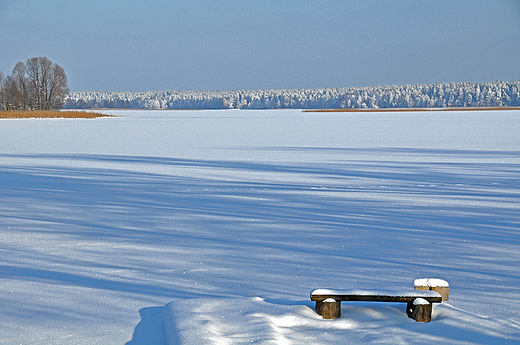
(51, 114)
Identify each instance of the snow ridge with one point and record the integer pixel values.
(436, 95)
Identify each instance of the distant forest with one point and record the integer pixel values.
(437, 95)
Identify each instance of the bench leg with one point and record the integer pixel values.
(319, 307)
(420, 310)
(329, 309)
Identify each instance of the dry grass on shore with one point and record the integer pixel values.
(50, 115)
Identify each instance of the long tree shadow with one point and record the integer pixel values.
(392, 202)
(128, 202)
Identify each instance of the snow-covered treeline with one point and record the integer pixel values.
(397, 96)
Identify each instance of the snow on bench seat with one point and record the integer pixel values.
(375, 295)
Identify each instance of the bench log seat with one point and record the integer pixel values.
(419, 303)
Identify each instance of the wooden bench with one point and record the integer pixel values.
(419, 303)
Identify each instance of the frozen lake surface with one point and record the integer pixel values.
(212, 227)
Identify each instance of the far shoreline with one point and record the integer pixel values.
(89, 113)
(323, 110)
(356, 110)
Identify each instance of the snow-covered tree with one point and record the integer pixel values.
(395, 96)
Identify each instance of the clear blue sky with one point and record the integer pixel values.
(142, 45)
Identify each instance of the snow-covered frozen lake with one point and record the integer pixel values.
(212, 227)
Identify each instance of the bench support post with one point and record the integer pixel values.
(439, 285)
(319, 307)
(420, 310)
(329, 308)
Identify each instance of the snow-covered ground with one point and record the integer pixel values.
(212, 227)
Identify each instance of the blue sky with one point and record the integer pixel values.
(142, 45)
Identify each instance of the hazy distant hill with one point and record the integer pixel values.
(398, 96)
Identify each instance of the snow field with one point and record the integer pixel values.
(214, 226)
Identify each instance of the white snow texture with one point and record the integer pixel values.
(212, 227)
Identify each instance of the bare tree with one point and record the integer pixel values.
(38, 84)
(2, 91)
(22, 100)
(38, 71)
(58, 90)
(10, 94)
